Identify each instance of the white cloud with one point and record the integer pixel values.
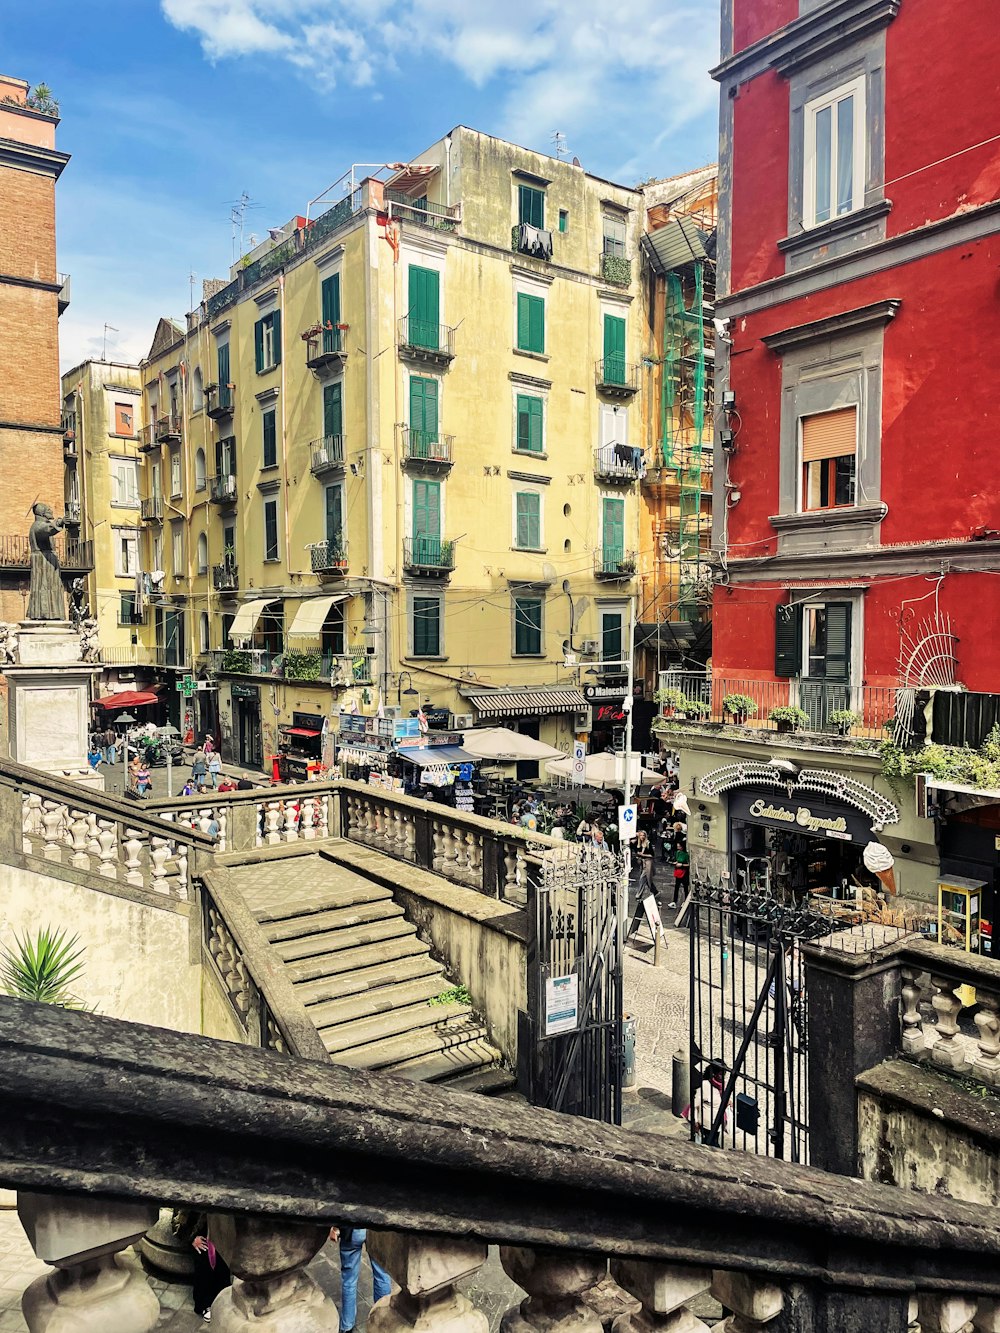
(629, 75)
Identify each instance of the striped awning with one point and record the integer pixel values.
(312, 613)
(525, 702)
(245, 620)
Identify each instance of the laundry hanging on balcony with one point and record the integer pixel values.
(534, 241)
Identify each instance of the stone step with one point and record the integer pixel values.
(381, 1000)
(313, 923)
(397, 1022)
(364, 980)
(490, 1081)
(344, 962)
(467, 1068)
(409, 1045)
(328, 900)
(332, 941)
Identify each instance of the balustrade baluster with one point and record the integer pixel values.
(79, 829)
(133, 851)
(450, 848)
(291, 814)
(474, 840)
(913, 1039)
(31, 823)
(437, 845)
(663, 1291)
(222, 815)
(947, 1050)
(271, 1289)
(180, 854)
(52, 819)
(323, 815)
(272, 822)
(307, 819)
(510, 856)
(426, 1269)
(987, 1063)
(946, 1313)
(409, 837)
(755, 1301)
(555, 1281)
(93, 846)
(159, 854)
(107, 848)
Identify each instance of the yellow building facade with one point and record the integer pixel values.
(404, 453)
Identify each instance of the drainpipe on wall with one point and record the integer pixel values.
(284, 453)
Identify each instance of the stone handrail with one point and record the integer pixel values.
(57, 820)
(120, 1118)
(933, 973)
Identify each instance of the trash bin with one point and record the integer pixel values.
(629, 1023)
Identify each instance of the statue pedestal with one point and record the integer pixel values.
(49, 701)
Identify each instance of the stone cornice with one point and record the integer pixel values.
(811, 519)
(808, 39)
(32, 157)
(870, 563)
(851, 321)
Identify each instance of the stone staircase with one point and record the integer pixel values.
(364, 977)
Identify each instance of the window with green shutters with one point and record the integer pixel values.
(426, 521)
(335, 519)
(270, 529)
(530, 323)
(531, 206)
(224, 396)
(423, 417)
(333, 409)
(267, 341)
(330, 298)
(527, 626)
(528, 520)
(424, 314)
(269, 422)
(787, 640)
(529, 424)
(614, 350)
(426, 626)
(612, 636)
(612, 531)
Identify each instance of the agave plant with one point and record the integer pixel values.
(43, 967)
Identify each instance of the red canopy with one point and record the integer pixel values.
(300, 731)
(127, 699)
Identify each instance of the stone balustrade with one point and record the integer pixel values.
(936, 985)
(101, 1122)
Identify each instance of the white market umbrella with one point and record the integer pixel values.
(606, 770)
(506, 746)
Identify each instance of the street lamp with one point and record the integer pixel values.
(128, 719)
(409, 689)
(168, 732)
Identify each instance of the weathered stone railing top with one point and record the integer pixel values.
(92, 1104)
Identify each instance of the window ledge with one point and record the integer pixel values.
(272, 560)
(429, 657)
(269, 467)
(826, 231)
(532, 550)
(824, 518)
(522, 655)
(266, 370)
(117, 435)
(529, 453)
(532, 356)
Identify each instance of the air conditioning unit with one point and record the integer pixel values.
(461, 721)
(392, 711)
(590, 647)
(581, 721)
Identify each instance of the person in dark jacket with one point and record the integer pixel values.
(211, 1272)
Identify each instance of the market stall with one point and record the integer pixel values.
(300, 748)
(395, 754)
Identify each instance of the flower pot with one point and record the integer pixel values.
(785, 726)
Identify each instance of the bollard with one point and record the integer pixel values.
(680, 1089)
(628, 1050)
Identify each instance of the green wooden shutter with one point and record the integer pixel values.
(527, 625)
(427, 521)
(276, 337)
(788, 640)
(530, 323)
(613, 531)
(531, 206)
(529, 423)
(423, 417)
(258, 345)
(838, 641)
(425, 307)
(330, 297)
(270, 439)
(270, 530)
(426, 626)
(222, 357)
(537, 327)
(614, 350)
(528, 519)
(333, 409)
(334, 514)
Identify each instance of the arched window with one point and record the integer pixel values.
(202, 553)
(199, 470)
(203, 632)
(197, 391)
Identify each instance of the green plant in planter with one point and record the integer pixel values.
(672, 700)
(237, 660)
(739, 706)
(696, 709)
(789, 717)
(43, 967)
(844, 719)
(301, 666)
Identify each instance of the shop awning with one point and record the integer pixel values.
(426, 755)
(503, 744)
(311, 615)
(245, 620)
(522, 703)
(300, 731)
(127, 699)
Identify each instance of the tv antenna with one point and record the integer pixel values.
(559, 140)
(237, 216)
(108, 328)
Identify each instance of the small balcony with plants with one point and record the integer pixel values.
(167, 429)
(616, 378)
(422, 211)
(326, 345)
(220, 400)
(427, 450)
(226, 577)
(151, 509)
(222, 489)
(326, 455)
(428, 555)
(616, 270)
(614, 563)
(424, 342)
(619, 464)
(328, 558)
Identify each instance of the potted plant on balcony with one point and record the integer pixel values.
(237, 660)
(627, 565)
(739, 707)
(671, 700)
(788, 717)
(695, 710)
(301, 666)
(843, 719)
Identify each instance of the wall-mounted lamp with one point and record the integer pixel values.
(733, 498)
(729, 400)
(727, 438)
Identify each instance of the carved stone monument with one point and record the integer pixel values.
(50, 666)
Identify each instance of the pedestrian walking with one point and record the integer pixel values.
(682, 869)
(143, 782)
(211, 1272)
(209, 744)
(213, 763)
(199, 767)
(352, 1242)
(706, 1099)
(110, 739)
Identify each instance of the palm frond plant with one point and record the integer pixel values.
(43, 967)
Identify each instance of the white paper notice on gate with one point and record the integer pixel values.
(562, 1004)
(627, 822)
(579, 765)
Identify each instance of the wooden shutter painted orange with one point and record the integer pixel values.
(829, 434)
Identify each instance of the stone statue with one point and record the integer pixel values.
(46, 597)
(89, 647)
(8, 644)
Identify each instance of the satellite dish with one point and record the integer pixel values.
(577, 162)
(548, 570)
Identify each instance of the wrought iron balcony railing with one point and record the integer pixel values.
(326, 345)
(151, 508)
(614, 562)
(329, 557)
(220, 400)
(168, 427)
(428, 555)
(225, 577)
(420, 340)
(619, 463)
(427, 448)
(222, 489)
(327, 454)
(616, 378)
(77, 556)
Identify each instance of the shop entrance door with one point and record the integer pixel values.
(528, 768)
(825, 686)
(249, 734)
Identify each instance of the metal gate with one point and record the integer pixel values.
(748, 1023)
(571, 1039)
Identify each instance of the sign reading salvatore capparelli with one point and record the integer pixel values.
(820, 819)
(800, 815)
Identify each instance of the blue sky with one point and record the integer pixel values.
(173, 108)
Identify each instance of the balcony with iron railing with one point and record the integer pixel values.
(439, 217)
(614, 562)
(151, 508)
(536, 242)
(329, 558)
(222, 489)
(422, 341)
(326, 345)
(326, 455)
(73, 514)
(616, 269)
(226, 577)
(428, 555)
(130, 619)
(622, 463)
(65, 285)
(616, 378)
(139, 654)
(148, 440)
(167, 428)
(220, 400)
(427, 450)
(75, 556)
(69, 446)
